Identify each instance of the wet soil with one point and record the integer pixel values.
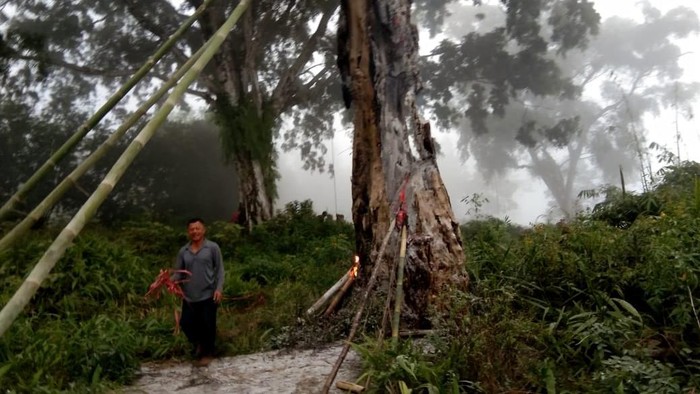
(283, 371)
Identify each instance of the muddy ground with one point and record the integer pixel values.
(283, 371)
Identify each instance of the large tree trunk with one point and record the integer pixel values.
(559, 181)
(246, 111)
(377, 56)
(240, 112)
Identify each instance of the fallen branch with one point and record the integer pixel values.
(358, 314)
(415, 333)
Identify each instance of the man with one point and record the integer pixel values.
(203, 290)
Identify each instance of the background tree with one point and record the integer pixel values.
(260, 73)
(26, 136)
(179, 174)
(569, 141)
(187, 154)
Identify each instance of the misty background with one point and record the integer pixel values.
(517, 195)
(637, 82)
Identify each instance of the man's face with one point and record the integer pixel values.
(196, 231)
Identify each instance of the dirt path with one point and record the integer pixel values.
(284, 371)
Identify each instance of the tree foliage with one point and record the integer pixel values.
(186, 156)
(570, 109)
(181, 173)
(28, 140)
(271, 58)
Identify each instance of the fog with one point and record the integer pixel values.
(518, 196)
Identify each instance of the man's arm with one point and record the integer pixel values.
(219, 265)
(179, 265)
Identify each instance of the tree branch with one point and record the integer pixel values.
(286, 82)
(171, 17)
(199, 93)
(58, 62)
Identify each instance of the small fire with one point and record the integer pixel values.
(354, 271)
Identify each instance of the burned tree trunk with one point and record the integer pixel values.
(377, 57)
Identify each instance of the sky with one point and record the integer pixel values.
(532, 202)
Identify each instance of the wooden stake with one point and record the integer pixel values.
(387, 304)
(352, 387)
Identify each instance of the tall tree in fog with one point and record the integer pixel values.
(393, 149)
(278, 59)
(573, 133)
(378, 59)
(18, 147)
(184, 155)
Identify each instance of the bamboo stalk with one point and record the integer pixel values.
(339, 295)
(27, 186)
(358, 314)
(399, 287)
(42, 269)
(52, 198)
(329, 293)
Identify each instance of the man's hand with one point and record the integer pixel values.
(218, 296)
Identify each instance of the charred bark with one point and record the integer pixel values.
(377, 57)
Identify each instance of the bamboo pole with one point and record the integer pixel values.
(42, 269)
(399, 288)
(328, 294)
(358, 314)
(339, 296)
(71, 180)
(27, 186)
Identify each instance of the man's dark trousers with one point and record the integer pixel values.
(198, 322)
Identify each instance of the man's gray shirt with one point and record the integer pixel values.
(207, 270)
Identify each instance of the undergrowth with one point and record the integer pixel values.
(89, 326)
(605, 303)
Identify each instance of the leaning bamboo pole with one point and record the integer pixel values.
(41, 270)
(71, 180)
(27, 186)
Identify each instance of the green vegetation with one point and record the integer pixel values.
(89, 326)
(597, 304)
